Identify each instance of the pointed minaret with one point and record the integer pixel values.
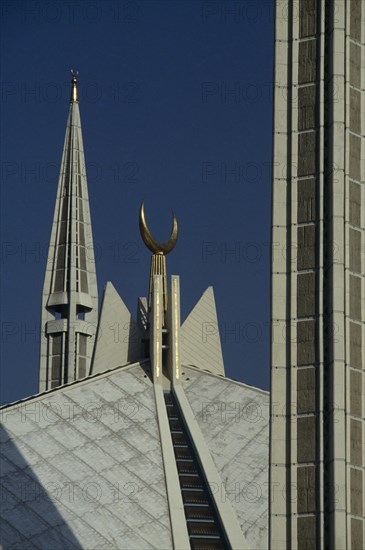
(70, 296)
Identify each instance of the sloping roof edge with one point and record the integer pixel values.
(79, 381)
(221, 377)
(126, 366)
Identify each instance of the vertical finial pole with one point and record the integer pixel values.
(74, 93)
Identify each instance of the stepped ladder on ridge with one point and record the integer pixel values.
(204, 528)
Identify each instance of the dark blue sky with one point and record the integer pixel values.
(176, 109)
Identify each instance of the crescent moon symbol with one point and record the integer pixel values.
(148, 239)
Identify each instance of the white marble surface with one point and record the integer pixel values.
(234, 420)
(82, 468)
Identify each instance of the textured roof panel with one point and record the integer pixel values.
(82, 467)
(234, 420)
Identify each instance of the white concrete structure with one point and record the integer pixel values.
(70, 295)
(200, 340)
(154, 447)
(118, 338)
(317, 469)
(84, 465)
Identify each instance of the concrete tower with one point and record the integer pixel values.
(318, 285)
(70, 296)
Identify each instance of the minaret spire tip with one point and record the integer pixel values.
(74, 93)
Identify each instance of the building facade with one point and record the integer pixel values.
(317, 454)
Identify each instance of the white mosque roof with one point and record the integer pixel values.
(82, 466)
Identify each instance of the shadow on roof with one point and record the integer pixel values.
(29, 510)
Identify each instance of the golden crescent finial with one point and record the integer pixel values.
(150, 242)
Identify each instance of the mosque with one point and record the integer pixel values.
(142, 441)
